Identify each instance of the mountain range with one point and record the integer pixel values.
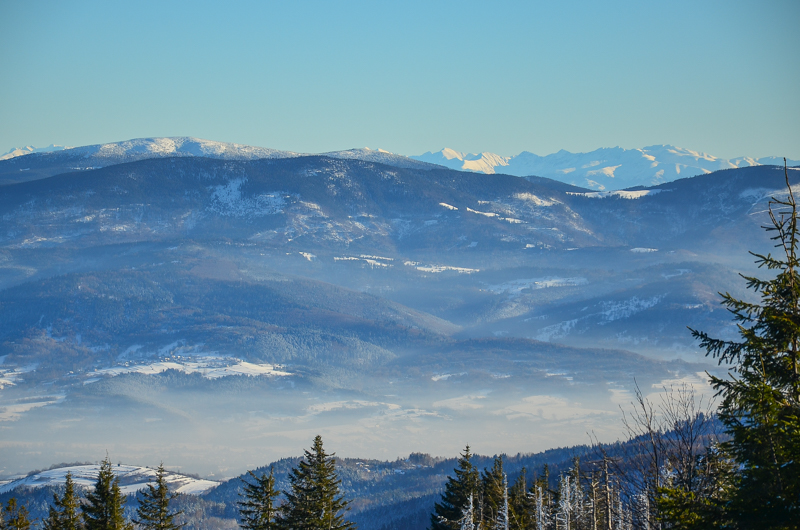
(177, 305)
(602, 169)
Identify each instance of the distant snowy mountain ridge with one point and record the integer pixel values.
(141, 148)
(28, 149)
(131, 478)
(603, 169)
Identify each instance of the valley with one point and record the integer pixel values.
(170, 308)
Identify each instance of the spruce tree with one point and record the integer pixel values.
(14, 516)
(459, 492)
(314, 501)
(65, 513)
(522, 504)
(104, 506)
(760, 406)
(153, 512)
(258, 511)
(493, 486)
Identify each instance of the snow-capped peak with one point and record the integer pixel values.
(28, 149)
(478, 162)
(610, 168)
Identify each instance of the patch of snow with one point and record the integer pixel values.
(556, 331)
(487, 214)
(227, 200)
(643, 250)
(538, 201)
(209, 366)
(515, 287)
(14, 410)
(619, 193)
(10, 376)
(445, 377)
(618, 310)
(443, 268)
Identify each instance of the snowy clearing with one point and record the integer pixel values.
(132, 479)
(622, 194)
(209, 367)
(515, 287)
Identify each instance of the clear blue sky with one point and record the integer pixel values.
(716, 76)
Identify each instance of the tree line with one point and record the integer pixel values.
(680, 474)
(312, 502)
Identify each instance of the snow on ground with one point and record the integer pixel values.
(515, 287)
(131, 478)
(14, 410)
(487, 214)
(441, 268)
(445, 377)
(9, 376)
(372, 261)
(537, 201)
(227, 200)
(617, 310)
(209, 366)
(622, 194)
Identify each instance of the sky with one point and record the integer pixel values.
(721, 77)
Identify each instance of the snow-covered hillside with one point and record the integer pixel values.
(603, 169)
(142, 148)
(380, 156)
(30, 163)
(131, 479)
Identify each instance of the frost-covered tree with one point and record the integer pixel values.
(502, 519)
(467, 521)
(542, 516)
